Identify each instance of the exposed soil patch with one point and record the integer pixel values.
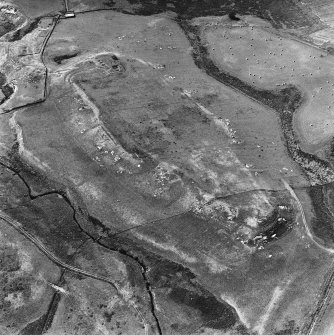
(275, 226)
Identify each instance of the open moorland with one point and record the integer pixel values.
(165, 168)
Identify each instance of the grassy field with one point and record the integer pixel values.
(149, 150)
(153, 144)
(268, 60)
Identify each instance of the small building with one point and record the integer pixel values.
(69, 14)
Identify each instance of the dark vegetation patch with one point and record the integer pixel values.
(318, 170)
(7, 91)
(181, 121)
(184, 289)
(50, 218)
(28, 28)
(59, 59)
(330, 50)
(207, 99)
(282, 13)
(9, 259)
(322, 223)
(3, 79)
(101, 229)
(18, 284)
(109, 3)
(290, 328)
(331, 149)
(46, 216)
(38, 183)
(35, 327)
(215, 314)
(35, 77)
(275, 226)
(6, 27)
(111, 62)
(233, 16)
(9, 19)
(53, 306)
(282, 100)
(41, 325)
(108, 315)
